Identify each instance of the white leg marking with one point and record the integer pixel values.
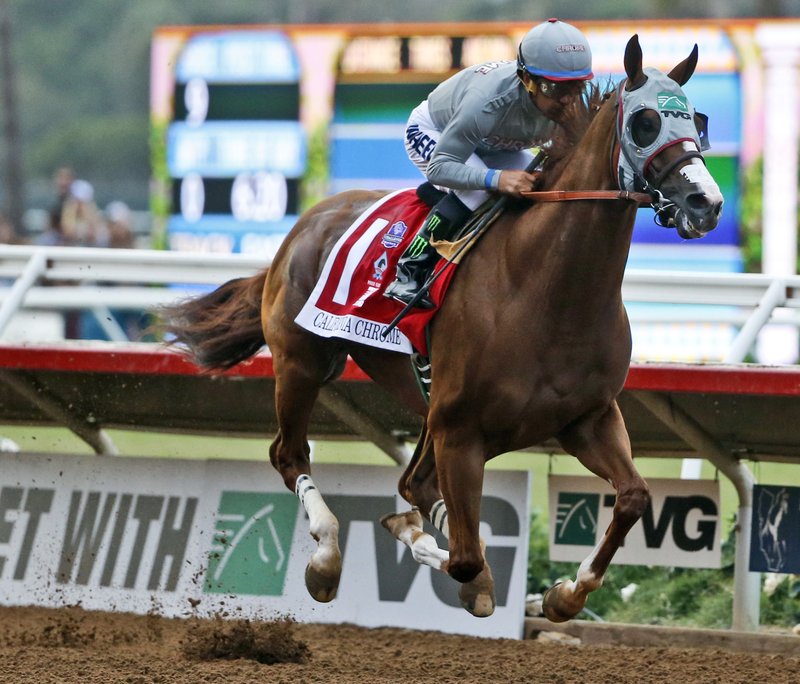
(322, 523)
(407, 528)
(585, 582)
(585, 574)
(424, 549)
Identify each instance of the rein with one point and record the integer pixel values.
(569, 195)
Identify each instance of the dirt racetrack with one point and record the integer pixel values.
(42, 646)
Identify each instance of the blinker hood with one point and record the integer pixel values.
(676, 115)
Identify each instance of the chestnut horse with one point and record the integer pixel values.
(531, 343)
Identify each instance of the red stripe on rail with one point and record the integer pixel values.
(152, 359)
(146, 359)
(715, 378)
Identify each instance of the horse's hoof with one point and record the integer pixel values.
(554, 604)
(477, 597)
(322, 587)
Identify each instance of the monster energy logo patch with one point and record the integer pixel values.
(417, 246)
(251, 543)
(576, 518)
(673, 102)
(433, 222)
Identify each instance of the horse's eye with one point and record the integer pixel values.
(645, 126)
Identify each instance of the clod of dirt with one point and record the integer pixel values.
(265, 642)
(65, 629)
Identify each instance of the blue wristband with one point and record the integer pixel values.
(490, 178)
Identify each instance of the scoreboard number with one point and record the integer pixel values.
(193, 197)
(195, 97)
(260, 196)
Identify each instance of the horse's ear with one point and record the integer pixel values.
(633, 63)
(683, 71)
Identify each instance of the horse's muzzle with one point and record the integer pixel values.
(699, 215)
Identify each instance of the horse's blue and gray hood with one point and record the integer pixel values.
(677, 115)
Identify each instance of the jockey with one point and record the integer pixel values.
(474, 133)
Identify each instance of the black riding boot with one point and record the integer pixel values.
(417, 262)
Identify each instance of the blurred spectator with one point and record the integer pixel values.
(53, 235)
(119, 226)
(74, 220)
(63, 179)
(81, 221)
(117, 234)
(8, 235)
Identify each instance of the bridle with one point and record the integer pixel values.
(662, 207)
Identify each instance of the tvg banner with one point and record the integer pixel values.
(680, 527)
(205, 538)
(254, 533)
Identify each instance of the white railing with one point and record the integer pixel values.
(141, 266)
(62, 278)
(97, 280)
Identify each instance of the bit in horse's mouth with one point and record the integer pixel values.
(685, 228)
(672, 216)
(688, 231)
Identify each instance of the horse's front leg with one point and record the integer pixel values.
(601, 443)
(459, 467)
(419, 486)
(460, 461)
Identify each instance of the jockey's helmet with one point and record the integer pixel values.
(556, 51)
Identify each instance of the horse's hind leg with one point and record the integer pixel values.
(600, 443)
(407, 527)
(301, 367)
(419, 486)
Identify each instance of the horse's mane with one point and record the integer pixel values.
(570, 132)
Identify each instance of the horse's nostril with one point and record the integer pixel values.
(700, 203)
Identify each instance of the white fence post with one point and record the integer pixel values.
(31, 273)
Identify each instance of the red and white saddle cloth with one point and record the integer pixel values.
(348, 302)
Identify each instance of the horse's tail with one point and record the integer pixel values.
(219, 329)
